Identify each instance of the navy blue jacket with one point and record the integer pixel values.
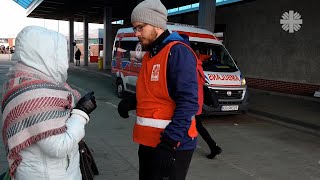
(182, 88)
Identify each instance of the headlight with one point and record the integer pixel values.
(243, 82)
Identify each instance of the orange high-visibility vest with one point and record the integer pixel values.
(155, 108)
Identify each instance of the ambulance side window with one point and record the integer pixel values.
(125, 49)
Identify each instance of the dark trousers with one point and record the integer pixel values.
(204, 133)
(146, 164)
(77, 62)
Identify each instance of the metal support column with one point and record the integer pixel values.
(71, 40)
(207, 13)
(85, 40)
(107, 38)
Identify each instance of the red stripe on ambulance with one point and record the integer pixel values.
(197, 35)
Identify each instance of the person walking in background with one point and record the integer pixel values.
(209, 98)
(43, 121)
(2, 49)
(7, 50)
(12, 49)
(202, 57)
(77, 57)
(214, 148)
(166, 97)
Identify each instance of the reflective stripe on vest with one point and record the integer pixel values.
(155, 123)
(150, 122)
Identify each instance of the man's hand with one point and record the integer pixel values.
(165, 156)
(123, 108)
(87, 103)
(125, 105)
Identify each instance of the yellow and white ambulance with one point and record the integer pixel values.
(222, 75)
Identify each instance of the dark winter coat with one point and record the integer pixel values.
(78, 54)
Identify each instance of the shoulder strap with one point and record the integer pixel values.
(197, 59)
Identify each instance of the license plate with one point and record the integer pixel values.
(230, 108)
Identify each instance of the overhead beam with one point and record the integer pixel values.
(107, 38)
(64, 9)
(54, 2)
(33, 6)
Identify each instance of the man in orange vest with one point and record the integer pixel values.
(166, 97)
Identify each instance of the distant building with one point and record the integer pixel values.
(95, 43)
(7, 42)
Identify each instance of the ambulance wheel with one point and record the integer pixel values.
(120, 88)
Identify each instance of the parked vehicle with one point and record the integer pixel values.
(222, 75)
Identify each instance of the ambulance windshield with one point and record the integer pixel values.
(215, 57)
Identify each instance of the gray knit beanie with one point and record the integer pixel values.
(151, 12)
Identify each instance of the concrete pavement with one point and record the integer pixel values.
(252, 149)
(296, 110)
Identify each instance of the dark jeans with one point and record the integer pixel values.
(178, 172)
(77, 62)
(204, 133)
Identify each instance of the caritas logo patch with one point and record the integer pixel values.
(155, 72)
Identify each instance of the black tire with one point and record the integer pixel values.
(120, 88)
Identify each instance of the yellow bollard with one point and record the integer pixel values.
(100, 63)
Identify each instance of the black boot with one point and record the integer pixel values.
(214, 151)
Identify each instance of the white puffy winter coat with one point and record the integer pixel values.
(56, 157)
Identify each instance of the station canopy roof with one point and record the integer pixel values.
(93, 9)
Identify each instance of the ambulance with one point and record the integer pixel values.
(222, 74)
